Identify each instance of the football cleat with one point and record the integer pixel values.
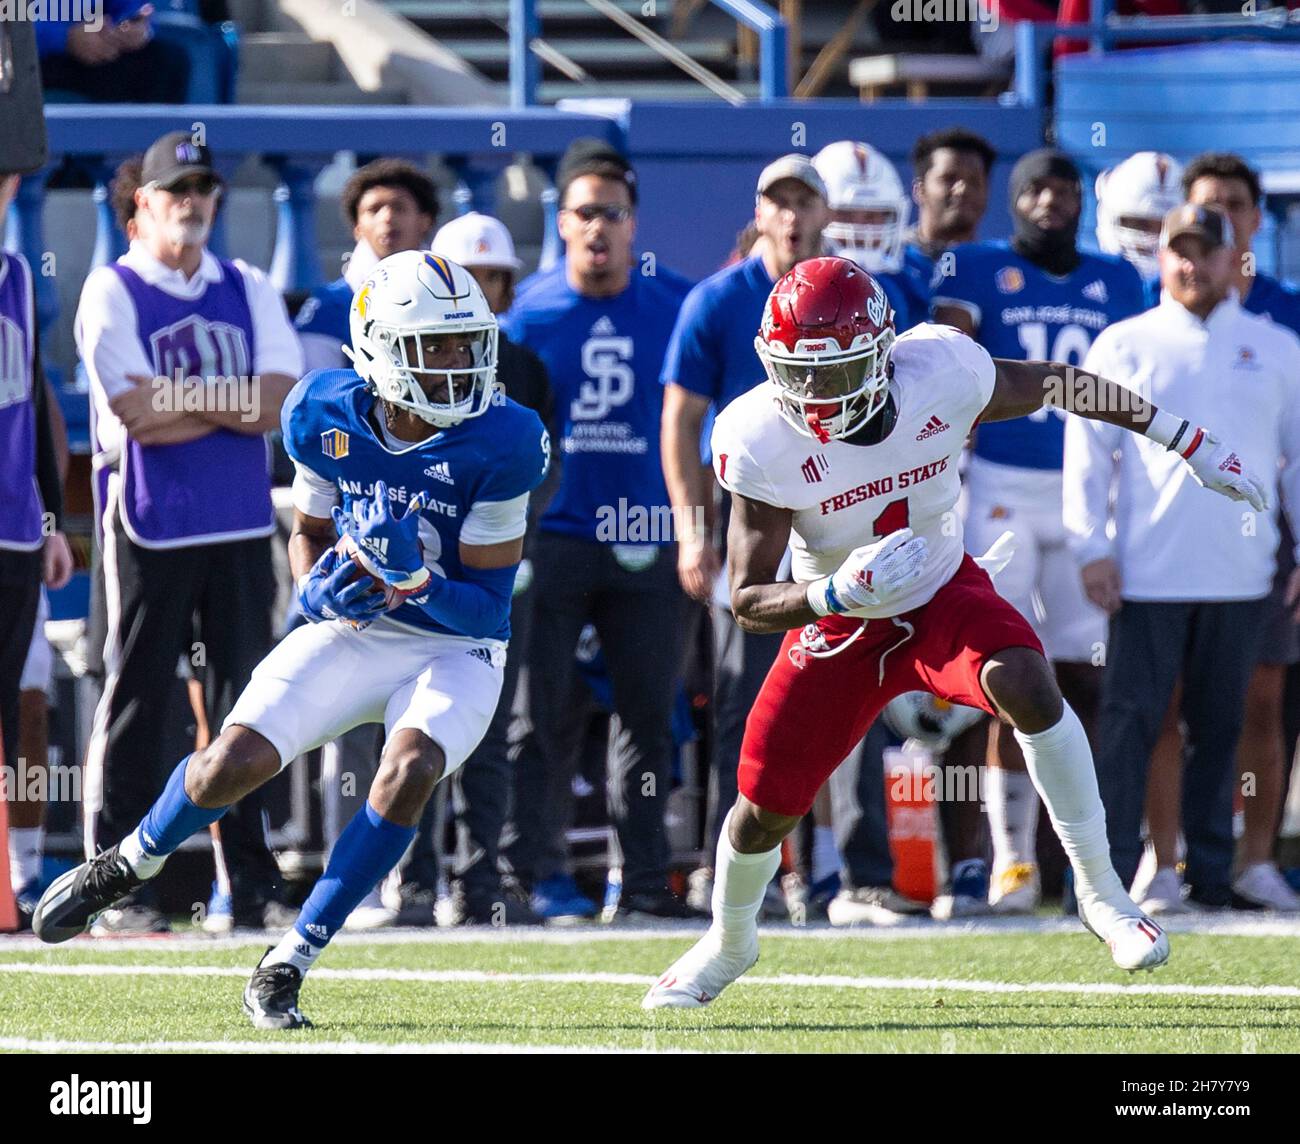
(968, 896)
(271, 997)
(700, 974)
(74, 899)
(871, 906)
(1164, 894)
(1134, 940)
(1016, 889)
(1263, 887)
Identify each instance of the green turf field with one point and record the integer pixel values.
(1043, 988)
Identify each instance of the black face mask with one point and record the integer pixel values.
(880, 426)
(1056, 250)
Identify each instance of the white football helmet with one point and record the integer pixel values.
(860, 178)
(928, 719)
(407, 298)
(1141, 190)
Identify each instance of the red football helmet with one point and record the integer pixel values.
(827, 333)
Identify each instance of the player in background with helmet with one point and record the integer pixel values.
(1133, 198)
(1035, 298)
(869, 212)
(908, 610)
(413, 475)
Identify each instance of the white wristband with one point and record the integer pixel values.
(817, 595)
(1174, 433)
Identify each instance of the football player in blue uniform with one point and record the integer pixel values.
(1035, 298)
(410, 501)
(868, 219)
(1133, 198)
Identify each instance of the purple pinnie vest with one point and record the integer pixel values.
(217, 488)
(20, 499)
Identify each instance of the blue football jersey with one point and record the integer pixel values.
(1274, 300)
(326, 312)
(497, 456)
(604, 357)
(1023, 313)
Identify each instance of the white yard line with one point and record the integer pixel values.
(312, 1048)
(797, 980)
(1230, 925)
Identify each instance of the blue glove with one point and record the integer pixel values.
(328, 593)
(389, 545)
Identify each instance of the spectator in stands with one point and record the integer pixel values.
(1226, 181)
(950, 186)
(167, 328)
(602, 329)
(113, 59)
(481, 789)
(1184, 580)
(391, 206)
(33, 548)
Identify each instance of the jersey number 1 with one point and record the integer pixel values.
(893, 517)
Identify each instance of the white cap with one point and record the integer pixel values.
(792, 166)
(477, 240)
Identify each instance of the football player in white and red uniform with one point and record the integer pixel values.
(848, 454)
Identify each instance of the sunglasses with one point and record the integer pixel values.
(610, 212)
(194, 185)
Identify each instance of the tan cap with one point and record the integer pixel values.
(792, 166)
(1208, 223)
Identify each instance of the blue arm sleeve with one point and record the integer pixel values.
(476, 606)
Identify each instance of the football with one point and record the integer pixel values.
(394, 595)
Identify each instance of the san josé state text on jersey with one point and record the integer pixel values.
(497, 456)
(1025, 314)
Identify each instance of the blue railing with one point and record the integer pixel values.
(1104, 31)
(773, 50)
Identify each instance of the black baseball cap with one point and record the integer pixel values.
(1209, 224)
(175, 157)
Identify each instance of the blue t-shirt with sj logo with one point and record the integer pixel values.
(1023, 313)
(604, 357)
(497, 456)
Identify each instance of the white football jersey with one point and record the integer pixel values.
(844, 495)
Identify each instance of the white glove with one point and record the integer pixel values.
(871, 575)
(1217, 467)
(999, 554)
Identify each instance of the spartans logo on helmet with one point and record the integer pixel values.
(424, 338)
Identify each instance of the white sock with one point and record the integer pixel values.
(739, 883)
(144, 865)
(825, 855)
(1012, 805)
(1060, 762)
(294, 949)
(26, 851)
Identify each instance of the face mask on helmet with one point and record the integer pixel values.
(874, 242)
(424, 338)
(1137, 239)
(831, 394)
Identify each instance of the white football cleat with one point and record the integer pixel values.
(700, 974)
(1164, 894)
(1015, 889)
(1134, 940)
(1263, 886)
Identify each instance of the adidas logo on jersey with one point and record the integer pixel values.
(603, 328)
(933, 428)
(814, 467)
(440, 471)
(1096, 291)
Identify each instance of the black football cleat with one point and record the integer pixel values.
(271, 997)
(75, 898)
